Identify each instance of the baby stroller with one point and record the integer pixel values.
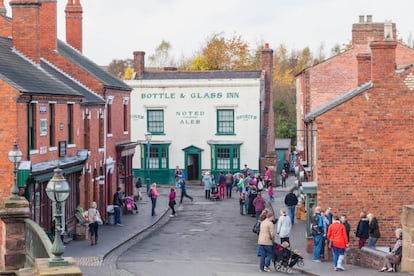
(284, 258)
(214, 193)
(130, 204)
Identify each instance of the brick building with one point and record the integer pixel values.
(326, 81)
(361, 153)
(61, 109)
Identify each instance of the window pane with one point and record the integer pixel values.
(225, 121)
(156, 121)
(163, 158)
(223, 158)
(153, 162)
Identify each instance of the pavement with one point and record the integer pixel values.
(114, 240)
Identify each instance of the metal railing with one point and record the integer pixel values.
(38, 244)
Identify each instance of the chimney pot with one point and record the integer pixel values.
(266, 45)
(361, 19)
(369, 18)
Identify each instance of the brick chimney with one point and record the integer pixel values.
(267, 129)
(364, 68)
(383, 59)
(365, 31)
(74, 24)
(48, 25)
(3, 11)
(139, 64)
(25, 33)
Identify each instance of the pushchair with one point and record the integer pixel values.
(214, 193)
(130, 204)
(284, 259)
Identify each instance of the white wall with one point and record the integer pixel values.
(190, 115)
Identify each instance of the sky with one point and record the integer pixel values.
(113, 29)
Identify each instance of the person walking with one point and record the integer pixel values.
(153, 194)
(270, 192)
(177, 175)
(283, 176)
(362, 231)
(291, 200)
(229, 183)
(172, 202)
(259, 204)
(207, 184)
(374, 232)
(265, 242)
(117, 203)
(283, 226)
(344, 221)
(222, 184)
(337, 236)
(184, 191)
(93, 217)
(268, 177)
(317, 234)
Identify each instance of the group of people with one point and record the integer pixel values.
(334, 230)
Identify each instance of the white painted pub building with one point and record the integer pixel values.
(199, 120)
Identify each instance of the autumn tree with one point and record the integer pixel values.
(161, 57)
(221, 53)
(117, 67)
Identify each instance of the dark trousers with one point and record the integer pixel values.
(172, 204)
(184, 194)
(154, 204)
(207, 194)
(229, 187)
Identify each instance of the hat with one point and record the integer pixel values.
(207, 173)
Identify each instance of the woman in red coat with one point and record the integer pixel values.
(339, 240)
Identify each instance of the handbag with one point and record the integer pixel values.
(256, 227)
(97, 218)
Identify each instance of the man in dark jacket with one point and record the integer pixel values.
(117, 202)
(291, 200)
(317, 233)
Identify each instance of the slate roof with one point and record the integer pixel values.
(89, 95)
(337, 101)
(26, 76)
(95, 70)
(176, 75)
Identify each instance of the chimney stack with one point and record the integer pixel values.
(365, 32)
(25, 31)
(383, 59)
(364, 68)
(139, 64)
(267, 129)
(74, 31)
(48, 25)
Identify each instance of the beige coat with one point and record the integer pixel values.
(266, 235)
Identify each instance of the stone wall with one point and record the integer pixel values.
(407, 220)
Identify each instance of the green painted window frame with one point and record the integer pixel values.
(159, 156)
(155, 121)
(225, 122)
(226, 158)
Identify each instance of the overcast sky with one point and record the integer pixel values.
(113, 29)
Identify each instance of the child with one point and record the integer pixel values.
(172, 201)
(242, 201)
(284, 175)
(270, 192)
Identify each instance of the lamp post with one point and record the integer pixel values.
(15, 156)
(148, 137)
(58, 191)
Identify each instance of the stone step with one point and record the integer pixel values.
(28, 271)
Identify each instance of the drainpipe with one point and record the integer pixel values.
(311, 152)
(261, 135)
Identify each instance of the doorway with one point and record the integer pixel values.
(193, 162)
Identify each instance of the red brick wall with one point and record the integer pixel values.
(365, 156)
(5, 27)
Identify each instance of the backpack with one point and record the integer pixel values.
(149, 193)
(315, 227)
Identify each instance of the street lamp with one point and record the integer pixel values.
(58, 191)
(148, 137)
(15, 156)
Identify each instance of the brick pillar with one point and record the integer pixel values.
(139, 64)
(407, 220)
(74, 28)
(364, 68)
(12, 214)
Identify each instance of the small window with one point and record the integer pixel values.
(155, 121)
(225, 121)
